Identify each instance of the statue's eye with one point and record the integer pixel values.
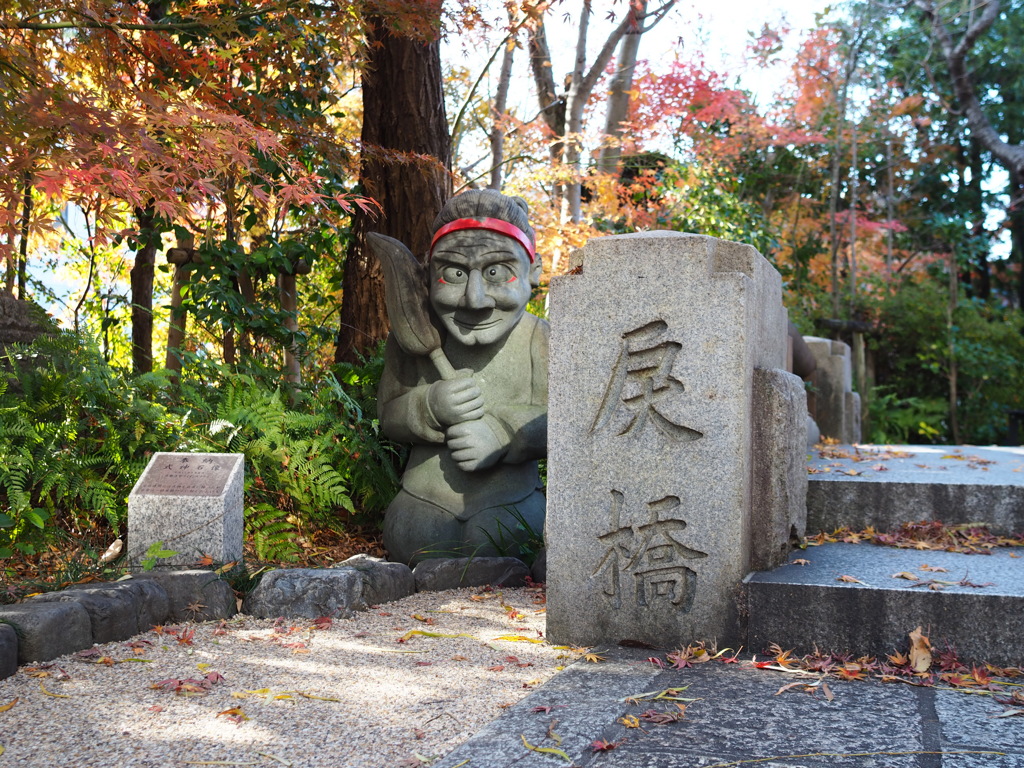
(498, 273)
(453, 275)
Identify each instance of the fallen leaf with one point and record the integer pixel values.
(851, 580)
(414, 632)
(800, 561)
(112, 551)
(905, 575)
(48, 693)
(630, 721)
(235, 715)
(593, 657)
(827, 691)
(520, 639)
(155, 708)
(603, 745)
(933, 568)
(8, 705)
(496, 668)
(920, 651)
(545, 750)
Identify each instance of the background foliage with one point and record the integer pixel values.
(229, 141)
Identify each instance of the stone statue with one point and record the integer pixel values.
(465, 382)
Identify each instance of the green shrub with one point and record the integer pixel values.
(74, 437)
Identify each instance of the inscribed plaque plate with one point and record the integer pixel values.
(187, 474)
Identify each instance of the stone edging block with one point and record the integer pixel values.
(442, 573)
(51, 625)
(8, 651)
(57, 623)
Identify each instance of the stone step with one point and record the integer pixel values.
(846, 598)
(903, 484)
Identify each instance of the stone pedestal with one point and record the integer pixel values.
(832, 402)
(192, 503)
(664, 348)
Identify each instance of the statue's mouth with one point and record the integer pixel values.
(479, 325)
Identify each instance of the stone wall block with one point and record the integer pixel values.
(117, 611)
(193, 595)
(48, 630)
(8, 651)
(306, 593)
(383, 582)
(443, 573)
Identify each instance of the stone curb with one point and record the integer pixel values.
(57, 623)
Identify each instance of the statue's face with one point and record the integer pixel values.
(479, 285)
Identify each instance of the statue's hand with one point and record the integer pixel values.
(455, 401)
(475, 445)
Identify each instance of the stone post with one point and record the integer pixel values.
(834, 405)
(676, 440)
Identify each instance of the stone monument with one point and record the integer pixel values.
(832, 402)
(192, 504)
(677, 456)
(465, 382)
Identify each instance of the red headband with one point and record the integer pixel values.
(494, 225)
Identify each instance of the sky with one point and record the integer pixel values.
(721, 30)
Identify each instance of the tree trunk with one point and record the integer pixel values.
(618, 91)
(498, 112)
(1015, 216)
(552, 103)
(142, 291)
(179, 257)
(26, 218)
(854, 177)
(403, 112)
(288, 292)
(954, 297)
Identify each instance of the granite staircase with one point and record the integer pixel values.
(865, 599)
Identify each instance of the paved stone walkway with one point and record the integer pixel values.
(738, 719)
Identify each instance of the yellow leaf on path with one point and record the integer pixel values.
(520, 639)
(318, 698)
(545, 750)
(920, 651)
(203, 666)
(54, 695)
(7, 706)
(413, 632)
(905, 575)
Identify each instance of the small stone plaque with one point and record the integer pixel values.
(192, 504)
(187, 474)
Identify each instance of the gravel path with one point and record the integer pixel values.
(364, 692)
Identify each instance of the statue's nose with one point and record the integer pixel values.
(476, 294)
